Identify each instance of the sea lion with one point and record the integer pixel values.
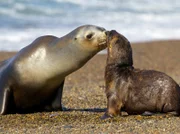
(33, 79)
(132, 90)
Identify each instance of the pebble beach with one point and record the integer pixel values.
(85, 98)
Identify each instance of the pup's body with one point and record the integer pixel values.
(132, 90)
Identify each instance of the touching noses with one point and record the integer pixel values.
(106, 32)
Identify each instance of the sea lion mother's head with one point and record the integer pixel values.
(90, 37)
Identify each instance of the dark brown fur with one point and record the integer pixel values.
(132, 90)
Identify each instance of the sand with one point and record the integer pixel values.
(84, 95)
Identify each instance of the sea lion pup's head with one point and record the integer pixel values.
(119, 49)
(90, 37)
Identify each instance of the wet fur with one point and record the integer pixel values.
(132, 90)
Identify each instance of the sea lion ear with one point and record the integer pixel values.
(75, 38)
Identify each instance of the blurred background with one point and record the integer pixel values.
(22, 21)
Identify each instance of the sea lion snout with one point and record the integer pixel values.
(112, 34)
(107, 33)
(111, 37)
(107, 36)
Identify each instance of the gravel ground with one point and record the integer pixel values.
(84, 96)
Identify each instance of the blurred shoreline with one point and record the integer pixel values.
(23, 21)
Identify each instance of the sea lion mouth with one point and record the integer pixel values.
(103, 42)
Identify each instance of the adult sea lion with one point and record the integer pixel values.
(135, 91)
(33, 79)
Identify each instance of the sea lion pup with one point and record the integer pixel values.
(33, 79)
(135, 91)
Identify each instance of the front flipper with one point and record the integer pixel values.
(114, 106)
(56, 105)
(5, 97)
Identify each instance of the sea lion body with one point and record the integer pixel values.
(33, 79)
(132, 90)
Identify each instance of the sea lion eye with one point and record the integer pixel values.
(89, 36)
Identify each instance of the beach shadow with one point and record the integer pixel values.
(96, 110)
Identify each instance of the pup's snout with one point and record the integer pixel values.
(113, 32)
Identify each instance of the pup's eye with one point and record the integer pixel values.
(89, 36)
